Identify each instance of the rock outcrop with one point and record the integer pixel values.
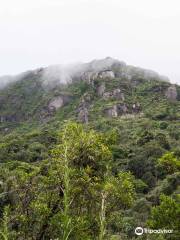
(107, 95)
(115, 94)
(111, 111)
(83, 115)
(55, 104)
(106, 74)
(101, 89)
(58, 102)
(83, 108)
(136, 107)
(91, 76)
(121, 109)
(171, 93)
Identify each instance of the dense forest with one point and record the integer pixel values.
(90, 159)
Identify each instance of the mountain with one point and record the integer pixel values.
(40, 93)
(139, 106)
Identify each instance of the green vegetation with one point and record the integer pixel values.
(166, 215)
(60, 179)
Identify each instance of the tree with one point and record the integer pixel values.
(70, 195)
(82, 155)
(169, 163)
(117, 193)
(166, 215)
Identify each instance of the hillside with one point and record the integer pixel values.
(138, 113)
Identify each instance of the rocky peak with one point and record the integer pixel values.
(103, 64)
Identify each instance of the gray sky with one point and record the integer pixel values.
(39, 33)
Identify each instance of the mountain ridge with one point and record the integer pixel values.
(135, 113)
(68, 70)
(42, 93)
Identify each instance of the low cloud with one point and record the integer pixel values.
(55, 75)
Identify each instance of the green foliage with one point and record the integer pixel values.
(141, 187)
(169, 162)
(97, 181)
(4, 225)
(166, 215)
(73, 194)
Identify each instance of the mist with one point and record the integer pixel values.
(56, 75)
(40, 33)
(65, 73)
(6, 80)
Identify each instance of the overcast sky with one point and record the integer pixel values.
(39, 33)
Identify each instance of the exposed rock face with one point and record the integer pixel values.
(108, 67)
(102, 64)
(58, 102)
(106, 74)
(112, 111)
(107, 95)
(136, 107)
(116, 94)
(90, 76)
(83, 108)
(171, 93)
(101, 89)
(83, 115)
(122, 109)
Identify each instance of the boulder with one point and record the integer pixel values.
(89, 77)
(107, 95)
(101, 89)
(83, 115)
(117, 94)
(83, 108)
(112, 111)
(58, 102)
(136, 107)
(122, 109)
(171, 93)
(106, 74)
